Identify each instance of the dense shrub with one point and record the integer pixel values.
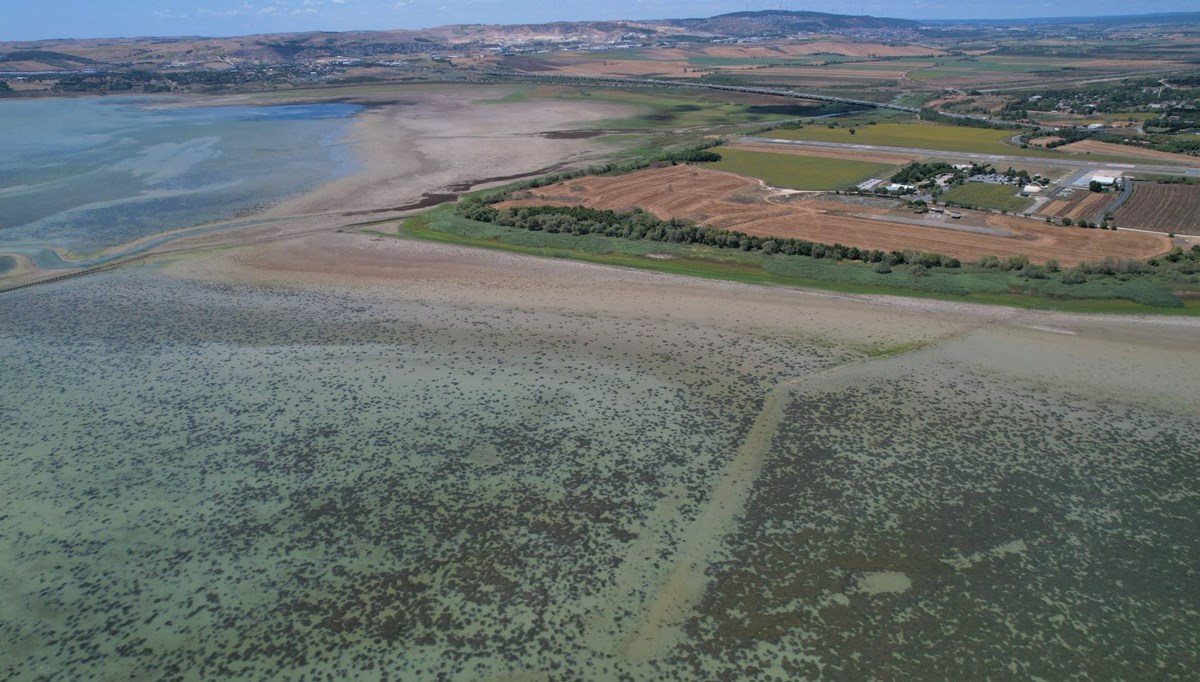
(1074, 277)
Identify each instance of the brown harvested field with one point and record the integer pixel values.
(1166, 208)
(1109, 149)
(734, 202)
(828, 153)
(1082, 204)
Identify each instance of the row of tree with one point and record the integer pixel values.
(934, 116)
(638, 224)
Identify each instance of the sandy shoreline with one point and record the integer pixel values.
(431, 144)
(452, 274)
(411, 142)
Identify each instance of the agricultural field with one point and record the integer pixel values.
(732, 202)
(1109, 149)
(814, 63)
(823, 47)
(999, 70)
(987, 195)
(835, 73)
(793, 171)
(914, 135)
(886, 158)
(1166, 208)
(655, 110)
(1079, 204)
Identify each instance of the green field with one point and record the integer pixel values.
(931, 136)
(998, 64)
(917, 136)
(798, 172)
(679, 108)
(984, 195)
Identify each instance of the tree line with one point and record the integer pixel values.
(638, 224)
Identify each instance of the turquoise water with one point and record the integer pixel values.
(87, 173)
(218, 481)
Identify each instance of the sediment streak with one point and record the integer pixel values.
(685, 584)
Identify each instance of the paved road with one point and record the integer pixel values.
(1075, 164)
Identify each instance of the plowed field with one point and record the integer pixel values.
(734, 202)
(1081, 205)
(1167, 208)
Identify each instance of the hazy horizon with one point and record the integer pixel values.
(78, 19)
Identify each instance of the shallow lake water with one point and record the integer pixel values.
(240, 482)
(82, 174)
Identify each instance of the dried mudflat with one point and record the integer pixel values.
(734, 202)
(342, 456)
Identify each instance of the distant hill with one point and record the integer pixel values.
(154, 52)
(1162, 19)
(296, 49)
(784, 22)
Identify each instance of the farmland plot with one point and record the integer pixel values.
(1167, 208)
(741, 204)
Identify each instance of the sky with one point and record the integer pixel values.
(40, 19)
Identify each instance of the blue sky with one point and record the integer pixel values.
(37, 19)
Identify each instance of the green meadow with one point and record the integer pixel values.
(798, 172)
(917, 136)
(984, 195)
